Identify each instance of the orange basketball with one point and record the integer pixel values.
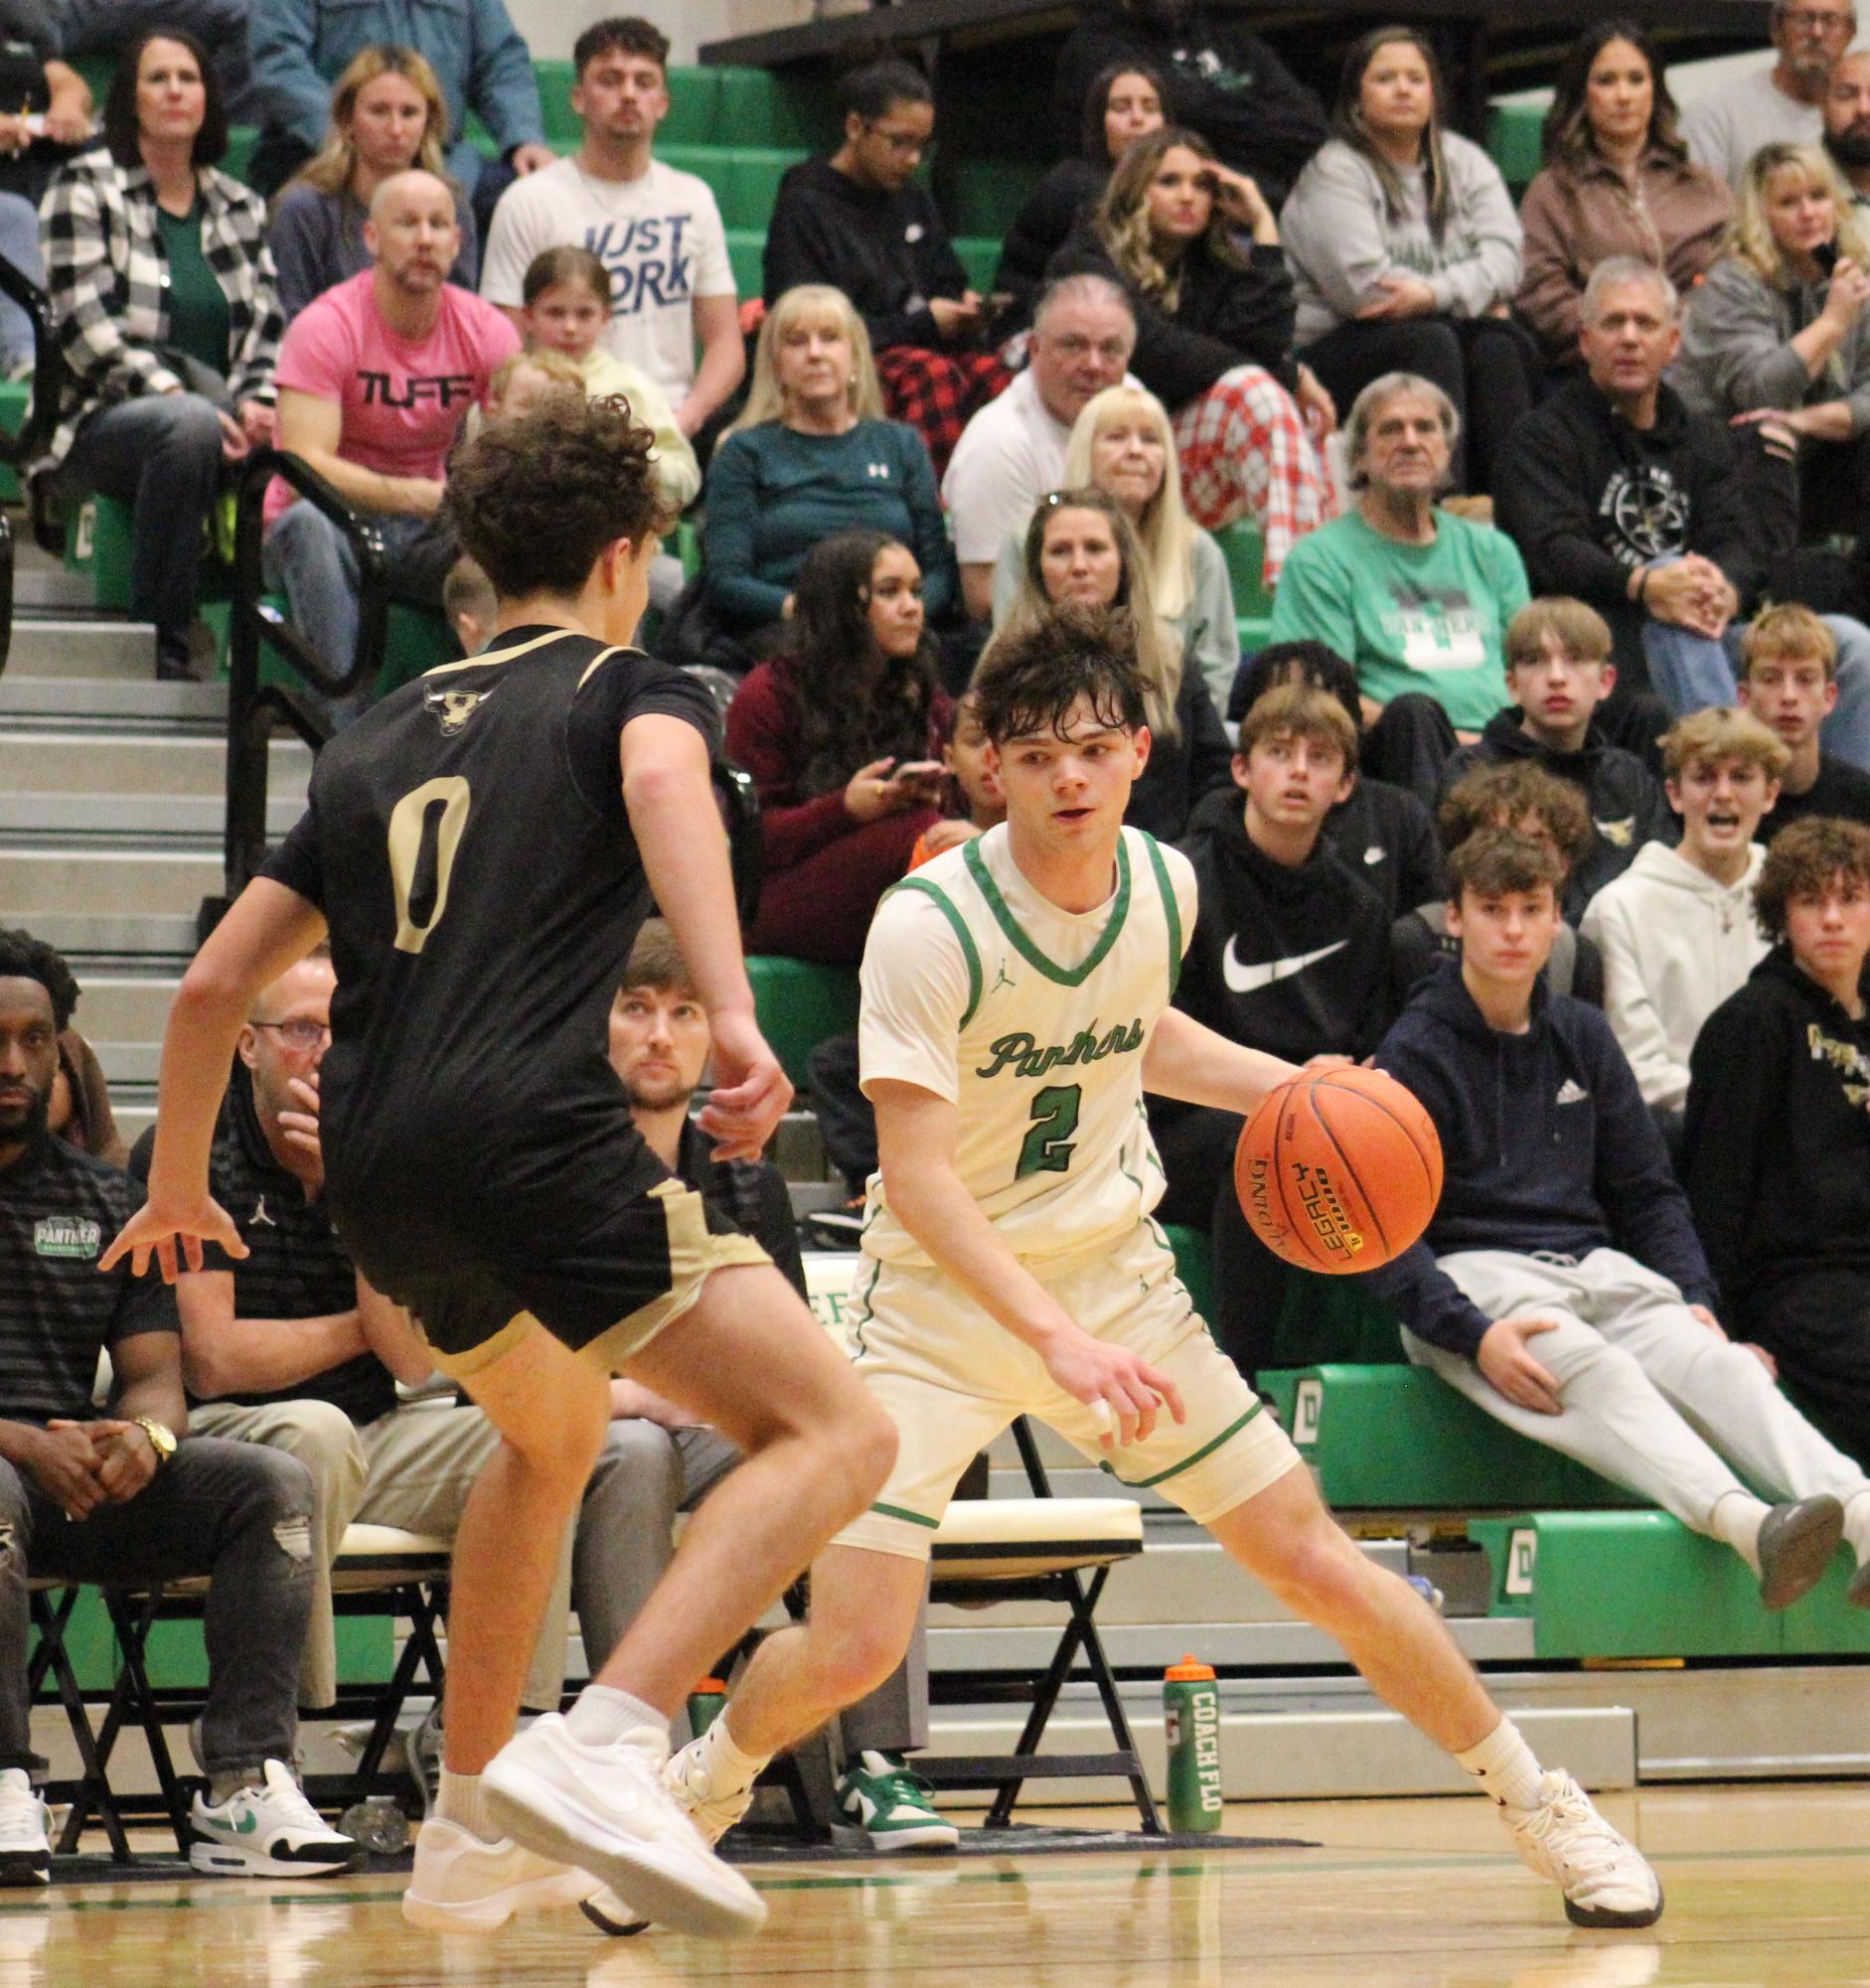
(1338, 1169)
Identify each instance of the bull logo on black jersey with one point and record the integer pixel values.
(454, 708)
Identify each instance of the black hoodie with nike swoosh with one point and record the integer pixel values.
(1294, 962)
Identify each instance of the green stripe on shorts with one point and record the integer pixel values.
(1174, 1470)
(916, 1518)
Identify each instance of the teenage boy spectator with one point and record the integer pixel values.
(658, 1462)
(1415, 596)
(290, 1347)
(1779, 1132)
(1677, 929)
(858, 221)
(656, 230)
(1382, 832)
(1846, 109)
(1725, 126)
(376, 379)
(297, 49)
(1224, 80)
(152, 1503)
(1560, 1286)
(1621, 496)
(1014, 450)
(1789, 680)
(1522, 796)
(1558, 671)
(1290, 955)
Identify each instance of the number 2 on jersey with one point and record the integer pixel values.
(1047, 1147)
(424, 834)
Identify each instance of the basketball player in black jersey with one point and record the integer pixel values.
(481, 872)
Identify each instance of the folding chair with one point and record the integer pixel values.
(406, 1573)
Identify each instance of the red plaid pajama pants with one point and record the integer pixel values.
(936, 392)
(1244, 451)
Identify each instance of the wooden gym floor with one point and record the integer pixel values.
(1764, 1885)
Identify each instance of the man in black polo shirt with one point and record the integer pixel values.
(657, 1461)
(291, 1348)
(129, 1495)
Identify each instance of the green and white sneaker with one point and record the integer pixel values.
(269, 1831)
(879, 1805)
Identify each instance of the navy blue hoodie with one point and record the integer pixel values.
(1547, 1144)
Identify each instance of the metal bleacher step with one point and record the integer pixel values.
(111, 884)
(51, 646)
(122, 703)
(141, 764)
(35, 820)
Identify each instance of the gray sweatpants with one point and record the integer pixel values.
(645, 1475)
(1652, 1400)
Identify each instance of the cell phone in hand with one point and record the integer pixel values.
(1825, 256)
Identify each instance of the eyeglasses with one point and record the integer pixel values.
(299, 1034)
(1811, 21)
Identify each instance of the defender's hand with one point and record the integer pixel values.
(156, 1230)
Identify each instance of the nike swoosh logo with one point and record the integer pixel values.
(1245, 980)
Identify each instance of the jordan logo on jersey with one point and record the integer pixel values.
(1005, 978)
(1022, 1054)
(454, 708)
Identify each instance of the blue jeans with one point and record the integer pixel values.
(19, 243)
(308, 558)
(161, 454)
(1692, 670)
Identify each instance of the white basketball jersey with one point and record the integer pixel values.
(1032, 1021)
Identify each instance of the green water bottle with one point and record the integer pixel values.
(706, 1702)
(1191, 1716)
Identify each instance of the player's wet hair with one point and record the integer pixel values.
(1501, 797)
(24, 958)
(1032, 677)
(656, 962)
(1315, 663)
(1494, 861)
(1804, 860)
(536, 499)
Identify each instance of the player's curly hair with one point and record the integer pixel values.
(1502, 797)
(1492, 861)
(24, 958)
(1030, 676)
(533, 500)
(1801, 861)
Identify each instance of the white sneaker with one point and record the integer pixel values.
(25, 1840)
(462, 1885)
(1604, 1878)
(714, 1814)
(271, 1831)
(606, 1810)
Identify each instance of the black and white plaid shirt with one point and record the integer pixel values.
(108, 282)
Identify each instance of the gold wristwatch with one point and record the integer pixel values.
(161, 1436)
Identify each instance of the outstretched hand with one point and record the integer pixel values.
(156, 1230)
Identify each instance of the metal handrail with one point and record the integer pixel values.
(254, 708)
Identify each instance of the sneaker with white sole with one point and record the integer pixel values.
(1604, 1878)
(882, 1806)
(269, 1831)
(463, 1885)
(606, 1810)
(24, 1831)
(714, 1812)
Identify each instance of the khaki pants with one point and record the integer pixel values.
(411, 1468)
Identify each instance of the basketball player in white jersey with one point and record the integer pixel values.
(1016, 1008)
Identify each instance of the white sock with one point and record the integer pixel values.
(1504, 1767)
(603, 1714)
(461, 1800)
(722, 1763)
(1857, 1525)
(1736, 1521)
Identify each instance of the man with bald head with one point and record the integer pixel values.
(1847, 121)
(376, 379)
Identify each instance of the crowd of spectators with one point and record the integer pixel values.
(1562, 513)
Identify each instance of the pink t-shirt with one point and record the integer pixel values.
(403, 399)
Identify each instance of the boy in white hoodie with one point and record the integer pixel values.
(1676, 930)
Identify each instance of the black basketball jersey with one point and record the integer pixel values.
(469, 847)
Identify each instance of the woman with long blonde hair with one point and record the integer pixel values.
(1777, 337)
(387, 115)
(1213, 334)
(1124, 444)
(1081, 548)
(810, 456)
